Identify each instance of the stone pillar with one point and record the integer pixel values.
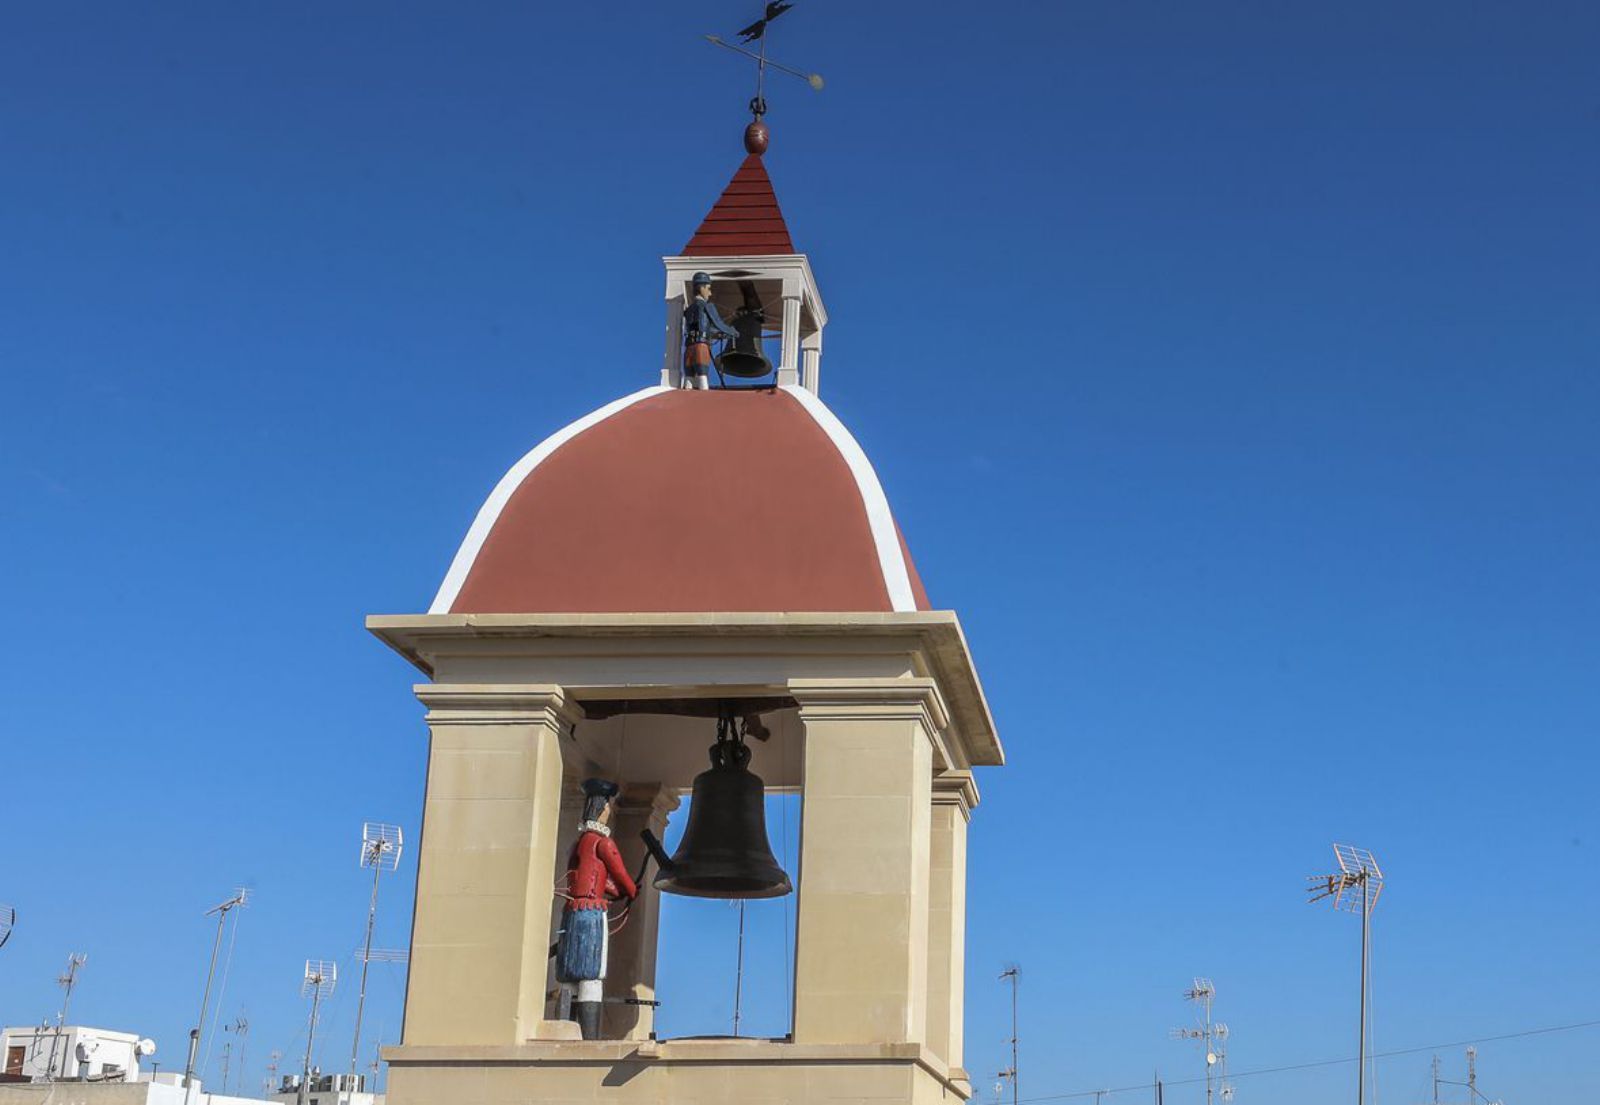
(811, 360)
(954, 795)
(789, 359)
(672, 363)
(861, 956)
(481, 933)
(631, 959)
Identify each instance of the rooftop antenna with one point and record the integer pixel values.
(67, 980)
(1354, 888)
(757, 33)
(241, 1028)
(8, 921)
(1013, 973)
(319, 980)
(272, 1071)
(221, 909)
(1212, 1037)
(380, 850)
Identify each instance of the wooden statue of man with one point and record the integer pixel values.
(595, 879)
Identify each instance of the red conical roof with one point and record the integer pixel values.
(745, 218)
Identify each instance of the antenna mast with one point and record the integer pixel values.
(380, 850)
(1014, 974)
(1354, 888)
(222, 909)
(1212, 1036)
(68, 980)
(320, 978)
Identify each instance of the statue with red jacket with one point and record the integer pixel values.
(595, 879)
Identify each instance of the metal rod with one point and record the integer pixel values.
(738, 974)
(205, 997)
(1361, 1051)
(807, 77)
(311, 1035)
(366, 961)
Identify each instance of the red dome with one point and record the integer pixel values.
(672, 501)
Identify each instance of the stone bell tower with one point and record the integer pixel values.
(600, 614)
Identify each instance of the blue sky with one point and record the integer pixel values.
(1231, 368)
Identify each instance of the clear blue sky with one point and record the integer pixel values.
(1231, 368)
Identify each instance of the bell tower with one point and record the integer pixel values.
(593, 631)
(744, 245)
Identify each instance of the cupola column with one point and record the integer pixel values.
(861, 955)
(954, 795)
(481, 934)
(811, 360)
(789, 359)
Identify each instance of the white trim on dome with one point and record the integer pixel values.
(489, 513)
(891, 560)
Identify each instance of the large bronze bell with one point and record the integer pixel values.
(744, 357)
(724, 852)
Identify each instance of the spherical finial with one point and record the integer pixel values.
(756, 137)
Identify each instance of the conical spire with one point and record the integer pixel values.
(745, 220)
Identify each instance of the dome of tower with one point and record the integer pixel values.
(671, 501)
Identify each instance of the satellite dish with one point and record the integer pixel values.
(144, 1047)
(1211, 1058)
(83, 1051)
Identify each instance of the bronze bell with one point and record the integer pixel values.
(724, 852)
(744, 357)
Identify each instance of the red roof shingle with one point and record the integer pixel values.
(745, 219)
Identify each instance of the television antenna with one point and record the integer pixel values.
(221, 909)
(1014, 973)
(1354, 888)
(380, 850)
(1212, 1037)
(241, 1028)
(272, 1071)
(320, 977)
(8, 921)
(757, 33)
(66, 980)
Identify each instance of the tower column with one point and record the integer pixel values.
(789, 359)
(861, 962)
(632, 955)
(481, 933)
(811, 360)
(954, 795)
(672, 361)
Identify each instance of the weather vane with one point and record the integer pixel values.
(757, 33)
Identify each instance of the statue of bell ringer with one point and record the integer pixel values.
(595, 879)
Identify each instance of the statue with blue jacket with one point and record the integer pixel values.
(702, 325)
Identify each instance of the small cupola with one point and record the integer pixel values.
(760, 283)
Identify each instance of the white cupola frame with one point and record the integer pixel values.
(779, 278)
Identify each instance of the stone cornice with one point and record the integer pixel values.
(497, 704)
(956, 788)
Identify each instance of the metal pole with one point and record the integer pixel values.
(738, 974)
(1016, 1076)
(1361, 1051)
(1209, 1063)
(311, 1035)
(205, 1000)
(366, 959)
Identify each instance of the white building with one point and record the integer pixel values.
(72, 1051)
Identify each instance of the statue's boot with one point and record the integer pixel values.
(587, 1014)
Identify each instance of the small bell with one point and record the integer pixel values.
(724, 852)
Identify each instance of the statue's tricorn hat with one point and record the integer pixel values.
(599, 788)
(700, 278)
